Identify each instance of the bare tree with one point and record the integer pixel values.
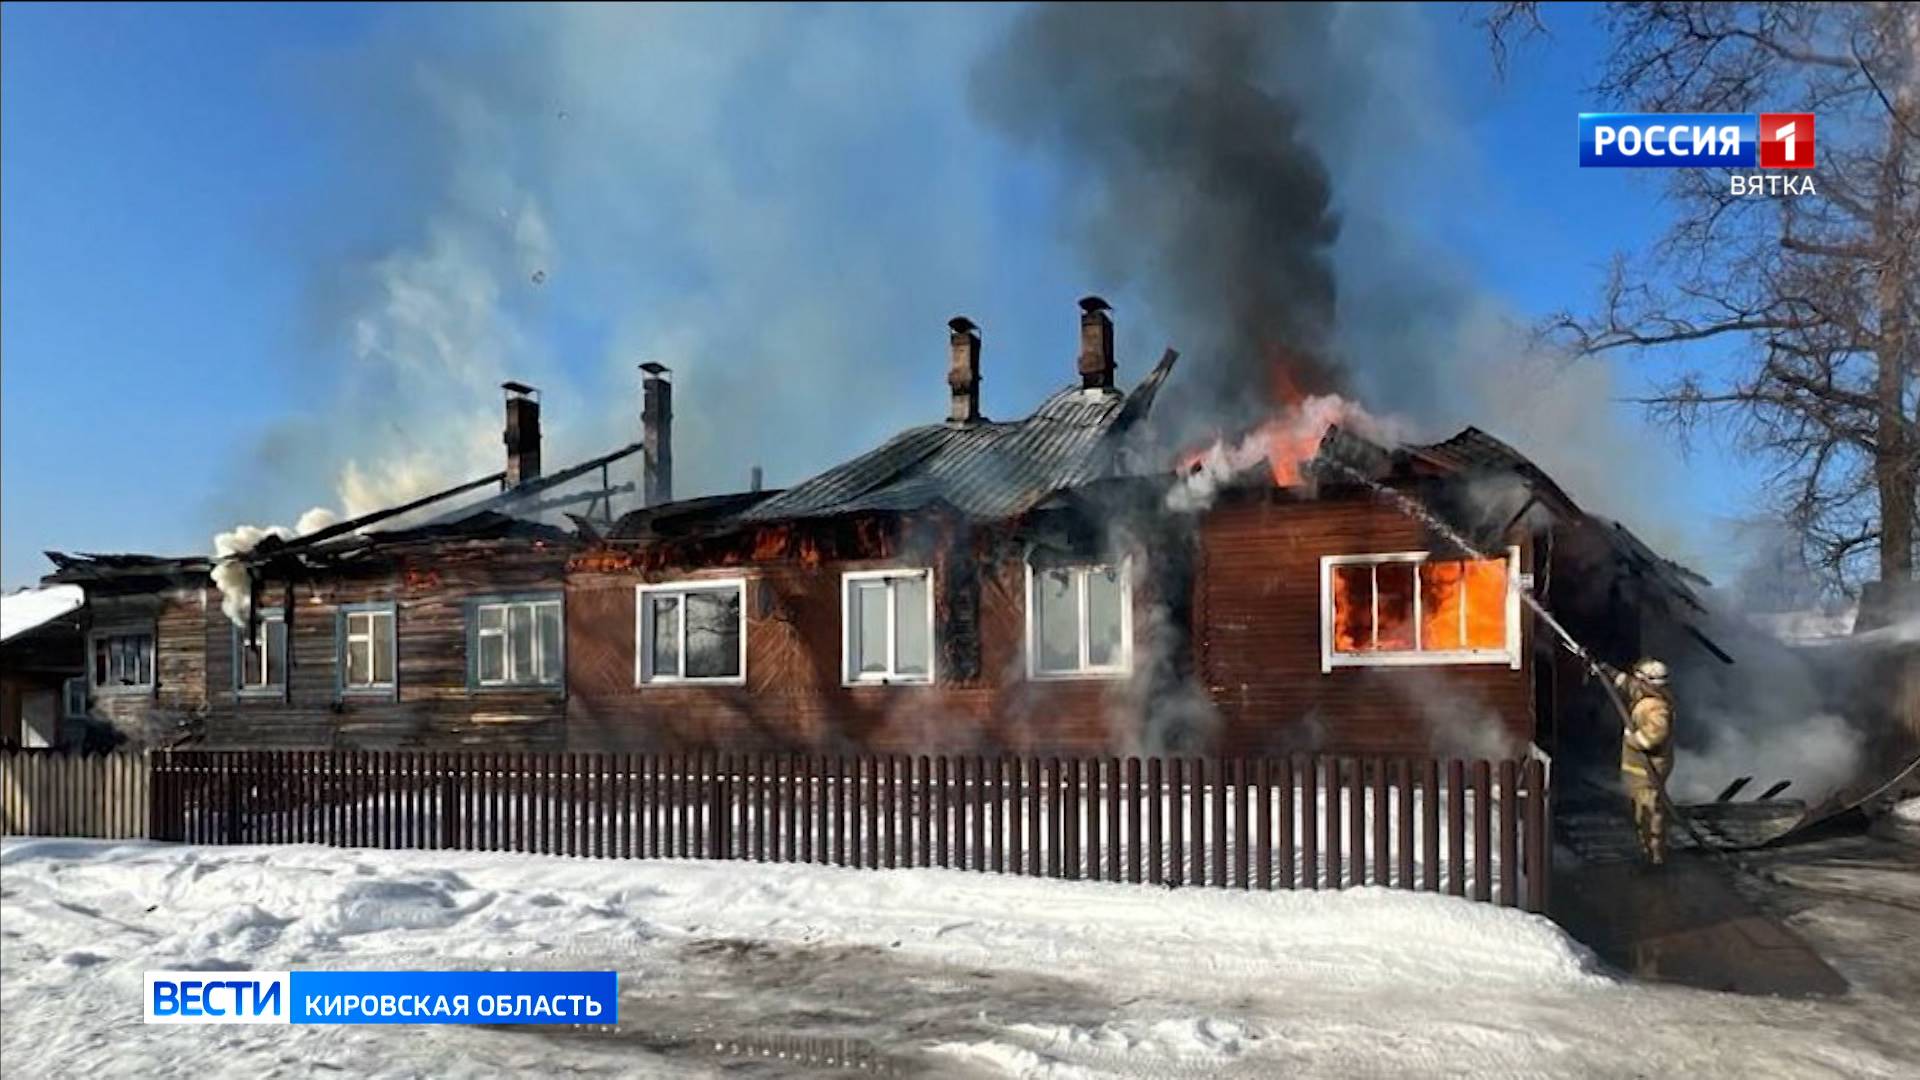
(1813, 295)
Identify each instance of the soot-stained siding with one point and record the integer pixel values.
(793, 698)
(433, 704)
(178, 696)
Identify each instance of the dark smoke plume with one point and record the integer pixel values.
(1194, 180)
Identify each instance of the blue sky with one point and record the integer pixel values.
(255, 259)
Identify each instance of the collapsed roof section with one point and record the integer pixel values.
(1498, 487)
(127, 572)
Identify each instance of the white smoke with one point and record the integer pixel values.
(1817, 752)
(230, 572)
(1292, 429)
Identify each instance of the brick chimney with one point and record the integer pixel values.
(523, 433)
(963, 370)
(656, 433)
(1096, 344)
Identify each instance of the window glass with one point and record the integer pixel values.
(713, 633)
(1393, 586)
(1462, 608)
(519, 642)
(870, 626)
(912, 650)
(1486, 599)
(275, 633)
(383, 646)
(359, 662)
(1352, 608)
(666, 634)
(493, 658)
(1057, 613)
(1440, 606)
(1106, 593)
(548, 622)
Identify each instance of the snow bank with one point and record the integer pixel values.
(965, 973)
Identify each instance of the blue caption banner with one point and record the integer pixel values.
(1669, 140)
(454, 997)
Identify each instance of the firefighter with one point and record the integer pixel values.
(1646, 751)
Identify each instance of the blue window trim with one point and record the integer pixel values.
(474, 603)
(281, 692)
(341, 691)
(150, 688)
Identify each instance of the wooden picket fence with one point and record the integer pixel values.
(1476, 829)
(53, 793)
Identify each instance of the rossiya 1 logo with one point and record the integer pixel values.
(1783, 141)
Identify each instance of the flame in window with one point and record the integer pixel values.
(1462, 606)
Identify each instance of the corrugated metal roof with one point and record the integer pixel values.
(985, 469)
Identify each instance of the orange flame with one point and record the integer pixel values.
(1463, 606)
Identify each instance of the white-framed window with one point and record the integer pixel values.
(517, 641)
(1411, 608)
(260, 665)
(691, 632)
(1079, 620)
(122, 660)
(368, 650)
(74, 697)
(887, 626)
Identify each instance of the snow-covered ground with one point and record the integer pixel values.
(921, 972)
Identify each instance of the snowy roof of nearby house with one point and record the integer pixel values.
(30, 609)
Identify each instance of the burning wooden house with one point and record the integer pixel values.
(1051, 584)
(1041, 586)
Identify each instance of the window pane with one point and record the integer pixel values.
(382, 625)
(146, 659)
(1352, 608)
(913, 653)
(100, 646)
(666, 635)
(359, 663)
(1105, 594)
(548, 618)
(250, 653)
(1394, 583)
(713, 634)
(1057, 613)
(1486, 593)
(493, 617)
(520, 643)
(493, 657)
(358, 624)
(1440, 595)
(870, 627)
(275, 636)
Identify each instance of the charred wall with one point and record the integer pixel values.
(432, 703)
(177, 700)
